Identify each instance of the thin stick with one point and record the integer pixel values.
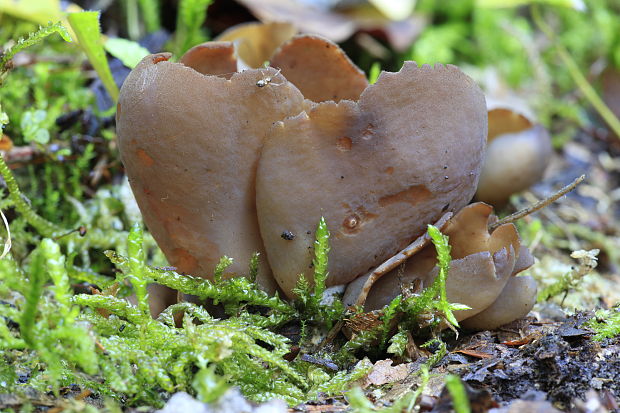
(7, 242)
(538, 205)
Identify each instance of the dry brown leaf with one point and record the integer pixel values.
(474, 353)
(384, 373)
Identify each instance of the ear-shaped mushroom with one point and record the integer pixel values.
(190, 145)
(379, 170)
(328, 75)
(478, 259)
(212, 58)
(610, 86)
(503, 120)
(517, 155)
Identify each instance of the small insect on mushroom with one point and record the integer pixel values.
(287, 235)
(268, 80)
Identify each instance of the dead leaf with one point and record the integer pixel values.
(5, 143)
(474, 353)
(383, 373)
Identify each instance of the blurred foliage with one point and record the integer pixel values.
(484, 35)
(190, 19)
(37, 11)
(464, 32)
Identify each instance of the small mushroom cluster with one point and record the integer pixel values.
(482, 272)
(231, 163)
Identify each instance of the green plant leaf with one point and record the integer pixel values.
(86, 27)
(127, 51)
(209, 386)
(37, 11)
(150, 14)
(459, 396)
(191, 16)
(373, 74)
(32, 39)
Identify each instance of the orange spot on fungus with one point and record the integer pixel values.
(412, 195)
(351, 222)
(368, 132)
(344, 144)
(158, 59)
(355, 220)
(144, 158)
(184, 261)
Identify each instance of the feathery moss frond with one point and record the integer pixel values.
(30, 40)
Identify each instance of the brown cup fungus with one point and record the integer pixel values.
(190, 144)
(226, 163)
(518, 152)
(379, 170)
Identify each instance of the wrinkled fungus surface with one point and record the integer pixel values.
(226, 163)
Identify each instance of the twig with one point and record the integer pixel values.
(538, 205)
(358, 290)
(7, 242)
(332, 333)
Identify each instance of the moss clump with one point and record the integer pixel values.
(606, 323)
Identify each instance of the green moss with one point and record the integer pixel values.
(606, 324)
(572, 279)
(460, 401)
(310, 299)
(32, 39)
